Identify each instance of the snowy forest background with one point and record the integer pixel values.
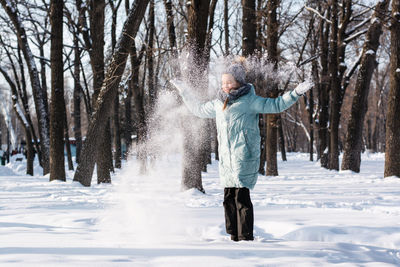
(87, 105)
(56, 65)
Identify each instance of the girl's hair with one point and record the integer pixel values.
(225, 104)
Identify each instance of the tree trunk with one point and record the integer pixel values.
(315, 77)
(193, 144)
(353, 145)
(392, 155)
(105, 167)
(272, 119)
(207, 149)
(334, 91)
(66, 141)
(249, 27)
(116, 119)
(170, 26)
(281, 139)
(30, 154)
(215, 134)
(24, 98)
(57, 113)
(117, 134)
(38, 94)
(323, 93)
(337, 68)
(96, 14)
(77, 100)
(43, 74)
(108, 92)
(226, 27)
(138, 97)
(150, 60)
(249, 42)
(128, 128)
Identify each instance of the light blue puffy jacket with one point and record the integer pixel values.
(238, 132)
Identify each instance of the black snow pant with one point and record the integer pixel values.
(239, 218)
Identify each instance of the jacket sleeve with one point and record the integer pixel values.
(202, 110)
(273, 105)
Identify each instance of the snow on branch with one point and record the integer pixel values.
(21, 114)
(353, 67)
(355, 36)
(358, 26)
(318, 14)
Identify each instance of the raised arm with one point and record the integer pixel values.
(281, 103)
(273, 105)
(202, 110)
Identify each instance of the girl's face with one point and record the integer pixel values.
(229, 83)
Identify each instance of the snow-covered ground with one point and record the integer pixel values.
(307, 216)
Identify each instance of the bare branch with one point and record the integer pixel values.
(318, 14)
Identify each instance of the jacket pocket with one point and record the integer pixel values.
(241, 151)
(252, 139)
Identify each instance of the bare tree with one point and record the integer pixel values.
(108, 92)
(116, 117)
(94, 44)
(353, 145)
(57, 111)
(392, 155)
(323, 89)
(249, 27)
(226, 27)
(38, 94)
(272, 119)
(194, 152)
(22, 119)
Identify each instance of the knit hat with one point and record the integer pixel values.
(238, 72)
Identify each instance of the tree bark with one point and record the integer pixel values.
(392, 155)
(281, 139)
(150, 59)
(170, 26)
(353, 144)
(30, 154)
(138, 97)
(334, 90)
(315, 78)
(66, 141)
(249, 27)
(116, 117)
(272, 119)
(323, 92)
(38, 94)
(337, 68)
(57, 113)
(128, 128)
(117, 134)
(77, 100)
(193, 147)
(108, 92)
(104, 155)
(226, 27)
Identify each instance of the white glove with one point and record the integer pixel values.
(179, 85)
(303, 87)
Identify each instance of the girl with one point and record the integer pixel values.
(236, 111)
